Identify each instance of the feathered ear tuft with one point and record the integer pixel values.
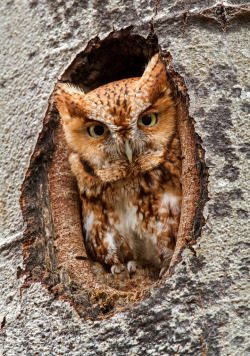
(154, 78)
(68, 100)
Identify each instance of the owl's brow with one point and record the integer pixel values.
(92, 121)
(149, 110)
(89, 121)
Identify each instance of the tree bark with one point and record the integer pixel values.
(201, 307)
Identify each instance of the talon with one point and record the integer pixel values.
(117, 269)
(131, 267)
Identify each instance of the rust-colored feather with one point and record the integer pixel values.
(129, 175)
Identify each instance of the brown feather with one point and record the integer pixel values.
(131, 210)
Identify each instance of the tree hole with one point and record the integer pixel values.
(53, 247)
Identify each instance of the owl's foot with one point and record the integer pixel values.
(116, 269)
(131, 267)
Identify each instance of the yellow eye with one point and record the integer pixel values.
(97, 130)
(148, 120)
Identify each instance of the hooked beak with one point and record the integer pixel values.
(128, 151)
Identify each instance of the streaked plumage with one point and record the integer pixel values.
(128, 173)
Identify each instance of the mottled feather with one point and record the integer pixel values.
(128, 177)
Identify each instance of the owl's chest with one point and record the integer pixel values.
(132, 212)
(125, 209)
(135, 222)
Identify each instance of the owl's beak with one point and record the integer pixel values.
(128, 151)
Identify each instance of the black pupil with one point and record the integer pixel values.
(146, 120)
(99, 130)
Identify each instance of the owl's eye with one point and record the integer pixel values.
(97, 130)
(148, 120)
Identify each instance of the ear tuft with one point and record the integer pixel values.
(154, 78)
(69, 101)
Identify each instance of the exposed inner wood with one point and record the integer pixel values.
(190, 180)
(51, 209)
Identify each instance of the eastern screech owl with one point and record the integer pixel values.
(127, 161)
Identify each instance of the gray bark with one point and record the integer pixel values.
(202, 307)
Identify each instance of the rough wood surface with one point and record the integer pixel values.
(202, 307)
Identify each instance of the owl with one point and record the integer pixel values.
(125, 154)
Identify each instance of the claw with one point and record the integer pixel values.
(116, 269)
(131, 267)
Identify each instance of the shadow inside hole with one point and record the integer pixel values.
(116, 58)
(53, 246)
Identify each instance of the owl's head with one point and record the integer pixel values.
(120, 128)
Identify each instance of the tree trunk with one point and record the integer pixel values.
(53, 300)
